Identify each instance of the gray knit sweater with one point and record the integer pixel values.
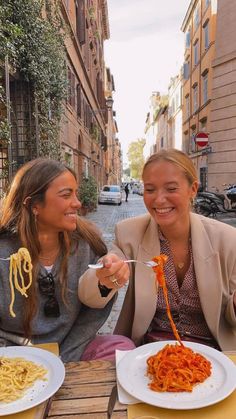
(77, 324)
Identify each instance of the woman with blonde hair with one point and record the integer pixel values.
(40, 213)
(200, 269)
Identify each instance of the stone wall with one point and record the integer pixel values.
(222, 160)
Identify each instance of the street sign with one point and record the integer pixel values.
(201, 139)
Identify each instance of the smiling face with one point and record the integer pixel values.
(59, 210)
(168, 193)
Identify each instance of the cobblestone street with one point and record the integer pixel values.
(105, 218)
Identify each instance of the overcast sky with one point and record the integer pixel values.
(144, 51)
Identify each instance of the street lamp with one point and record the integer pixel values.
(109, 102)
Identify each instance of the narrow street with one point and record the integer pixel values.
(106, 217)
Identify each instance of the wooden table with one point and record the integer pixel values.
(87, 387)
(85, 392)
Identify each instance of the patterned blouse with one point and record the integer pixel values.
(184, 300)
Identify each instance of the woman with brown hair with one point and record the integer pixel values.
(200, 270)
(40, 213)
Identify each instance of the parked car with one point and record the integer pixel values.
(110, 194)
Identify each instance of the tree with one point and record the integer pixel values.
(136, 158)
(126, 172)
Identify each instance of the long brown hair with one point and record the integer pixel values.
(17, 219)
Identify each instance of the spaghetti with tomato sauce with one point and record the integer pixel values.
(175, 368)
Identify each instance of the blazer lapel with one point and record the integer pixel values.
(145, 283)
(207, 269)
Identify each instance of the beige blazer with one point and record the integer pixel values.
(214, 254)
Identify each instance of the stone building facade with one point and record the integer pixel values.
(199, 26)
(85, 128)
(222, 161)
(85, 136)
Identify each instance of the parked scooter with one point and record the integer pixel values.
(231, 195)
(210, 203)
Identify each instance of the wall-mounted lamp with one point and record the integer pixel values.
(109, 102)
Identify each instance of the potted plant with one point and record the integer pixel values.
(88, 194)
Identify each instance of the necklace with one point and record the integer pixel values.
(180, 265)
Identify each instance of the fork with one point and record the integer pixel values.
(149, 263)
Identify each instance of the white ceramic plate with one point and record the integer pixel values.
(131, 374)
(41, 390)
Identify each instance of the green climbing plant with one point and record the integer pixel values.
(32, 36)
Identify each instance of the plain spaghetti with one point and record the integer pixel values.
(175, 368)
(16, 376)
(20, 264)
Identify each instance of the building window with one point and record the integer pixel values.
(187, 104)
(207, 2)
(203, 178)
(206, 34)
(196, 18)
(68, 157)
(195, 52)
(79, 101)
(86, 168)
(205, 87)
(186, 142)
(80, 21)
(162, 142)
(204, 124)
(188, 38)
(186, 70)
(71, 87)
(195, 98)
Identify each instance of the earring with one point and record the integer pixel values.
(35, 218)
(191, 202)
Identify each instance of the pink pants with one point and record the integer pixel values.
(104, 347)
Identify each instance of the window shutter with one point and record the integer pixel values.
(79, 113)
(80, 21)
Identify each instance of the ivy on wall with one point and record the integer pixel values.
(32, 36)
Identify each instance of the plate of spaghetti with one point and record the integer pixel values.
(28, 377)
(156, 374)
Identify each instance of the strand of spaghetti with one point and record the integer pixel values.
(12, 289)
(16, 260)
(22, 257)
(160, 277)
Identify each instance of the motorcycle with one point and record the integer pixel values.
(210, 203)
(231, 195)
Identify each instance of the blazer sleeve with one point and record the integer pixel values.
(230, 312)
(89, 293)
